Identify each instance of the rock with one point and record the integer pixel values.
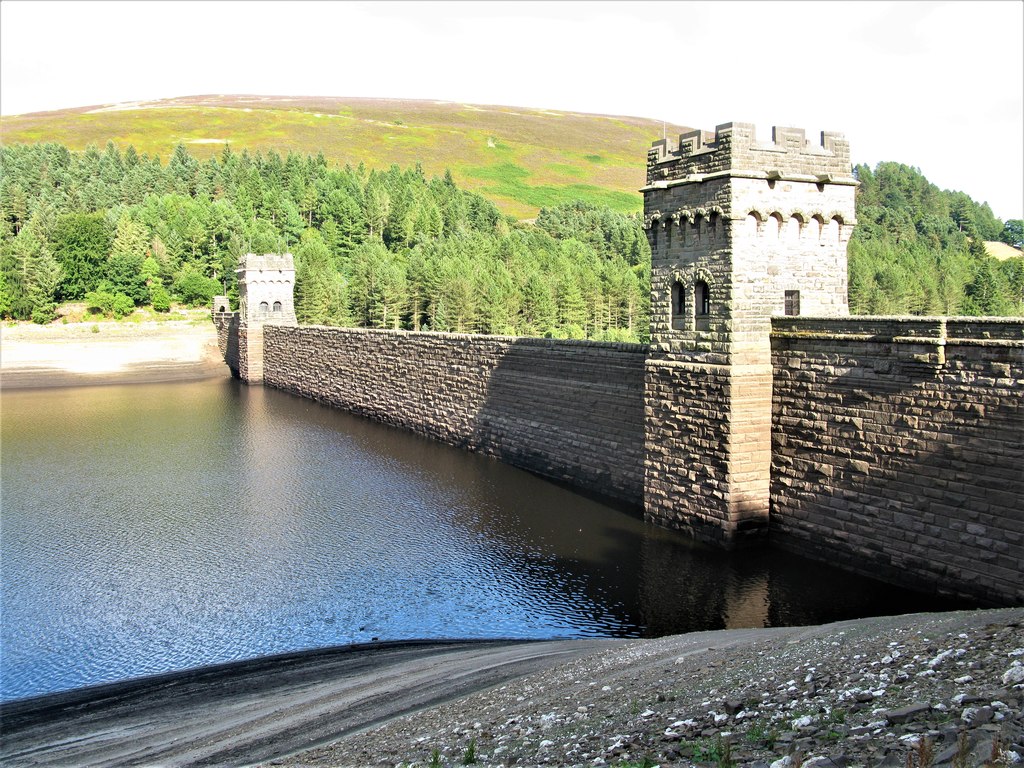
(1014, 675)
(906, 714)
(977, 715)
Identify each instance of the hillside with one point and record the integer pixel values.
(522, 159)
(1002, 251)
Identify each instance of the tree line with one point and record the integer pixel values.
(920, 250)
(375, 248)
(394, 249)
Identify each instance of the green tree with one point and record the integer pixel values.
(1013, 233)
(125, 267)
(194, 288)
(81, 242)
(319, 288)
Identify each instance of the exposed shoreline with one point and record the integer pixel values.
(855, 693)
(90, 354)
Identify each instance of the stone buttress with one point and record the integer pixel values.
(739, 232)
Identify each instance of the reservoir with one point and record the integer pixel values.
(153, 528)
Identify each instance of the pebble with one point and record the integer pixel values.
(688, 704)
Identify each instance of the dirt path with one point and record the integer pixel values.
(239, 714)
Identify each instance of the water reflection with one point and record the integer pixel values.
(152, 528)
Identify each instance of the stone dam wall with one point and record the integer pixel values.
(898, 449)
(571, 411)
(897, 444)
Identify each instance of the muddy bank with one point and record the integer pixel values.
(84, 354)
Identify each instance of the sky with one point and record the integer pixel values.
(935, 85)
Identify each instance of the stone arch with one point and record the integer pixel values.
(835, 229)
(817, 225)
(775, 223)
(753, 223)
(701, 299)
(651, 225)
(794, 228)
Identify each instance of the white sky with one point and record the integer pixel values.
(935, 85)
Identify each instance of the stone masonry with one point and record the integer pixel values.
(266, 289)
(569, 410)
(889, 446)
(898, 449)
(739, 232)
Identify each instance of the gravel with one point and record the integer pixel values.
(910, 691)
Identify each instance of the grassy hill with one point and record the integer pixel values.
(522, 159)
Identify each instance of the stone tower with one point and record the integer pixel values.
(266, 284)
(265, 288)
(739, 232)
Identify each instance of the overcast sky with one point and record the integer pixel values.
(936, 85)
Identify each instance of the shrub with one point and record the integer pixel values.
(123, 305)
(100, 301)
(161, 298)
(194, 289)
(44, 314)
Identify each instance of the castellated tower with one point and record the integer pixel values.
(265, 288)
(739, 232)
(266, 284)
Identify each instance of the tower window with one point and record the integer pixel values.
(701, 298)
(277, 306)
(264, 307)
(678, 305)
(792, 302)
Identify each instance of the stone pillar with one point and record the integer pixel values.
(739, 232)
(266, 284)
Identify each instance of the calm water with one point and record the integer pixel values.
(154, 528)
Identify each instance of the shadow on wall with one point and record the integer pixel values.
(903, 460)
(231, 347)
(570, 411)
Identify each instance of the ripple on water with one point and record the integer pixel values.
(155, 528)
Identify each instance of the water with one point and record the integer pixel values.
(153, 528)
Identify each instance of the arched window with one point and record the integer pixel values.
(701, 298)
(678, 305)
(264, 307)
(277, 307)
(222, 308)
(835, 227)
(776, 221)
(753, 224)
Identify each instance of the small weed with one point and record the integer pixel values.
(95, 328)
(925, 754)
(963, 751)
(469, 756)
(634, 707)
(645, 763)
(435, 758)
(718, 751)
(761, 733)
(996, 756)
(837, 717)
